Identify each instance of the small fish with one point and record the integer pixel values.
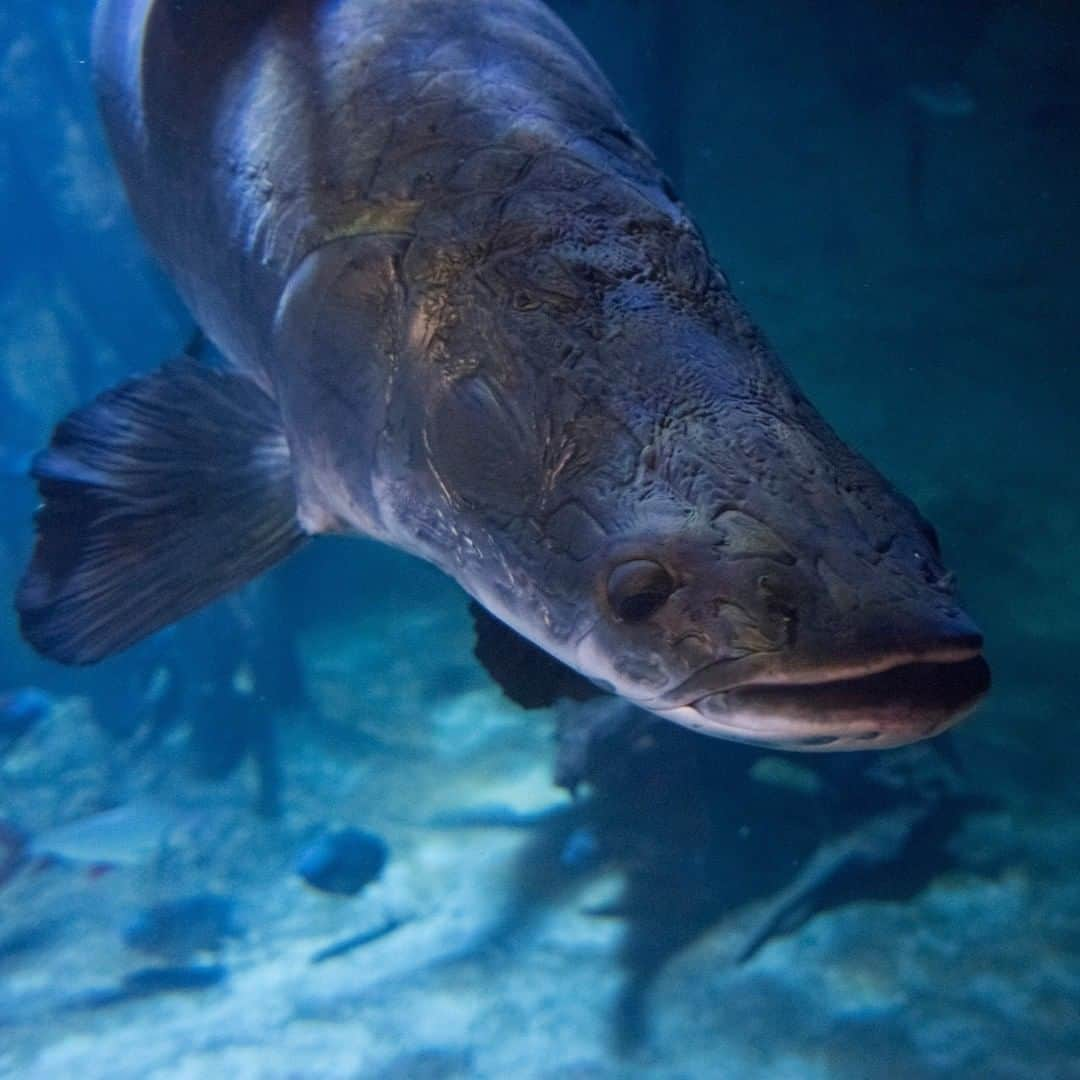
(126, 835)
(497, 816)
(365, 937)
(343, 862)
(177, 929)
(148, 982)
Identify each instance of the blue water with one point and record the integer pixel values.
(893, 191)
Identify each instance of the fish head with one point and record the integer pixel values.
(660, 507)
(749, 576)
(841, 652)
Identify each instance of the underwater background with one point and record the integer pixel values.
(313, 839)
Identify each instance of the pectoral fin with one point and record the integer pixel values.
(161, 495)
(527, 675)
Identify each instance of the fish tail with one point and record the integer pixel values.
(161, 495)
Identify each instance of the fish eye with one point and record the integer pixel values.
(638, 589)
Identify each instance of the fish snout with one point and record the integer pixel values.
(808, 627)
(877, 681)
(943, 637)
(837, 651)
(859, 664)
(878, 638)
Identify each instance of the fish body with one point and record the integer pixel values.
(150, 982)
(356, 941)
(498, 816)
(127, 835)
(177, 929)
(465, 314)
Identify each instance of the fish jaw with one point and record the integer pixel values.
(883, 707)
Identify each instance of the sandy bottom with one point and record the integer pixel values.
(977, 976)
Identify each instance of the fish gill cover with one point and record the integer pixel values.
(587, 889)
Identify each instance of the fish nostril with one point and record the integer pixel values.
(958, 637)
(961, 630)
(780, 608)
(787, 617)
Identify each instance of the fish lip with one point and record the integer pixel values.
(893, 705)
(696, 687)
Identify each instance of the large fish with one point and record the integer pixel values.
(465, 314)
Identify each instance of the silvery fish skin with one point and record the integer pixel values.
(125, 835)
(497, 341)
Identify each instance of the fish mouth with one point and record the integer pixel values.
(883, 704)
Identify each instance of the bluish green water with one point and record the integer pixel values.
(892, 190)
